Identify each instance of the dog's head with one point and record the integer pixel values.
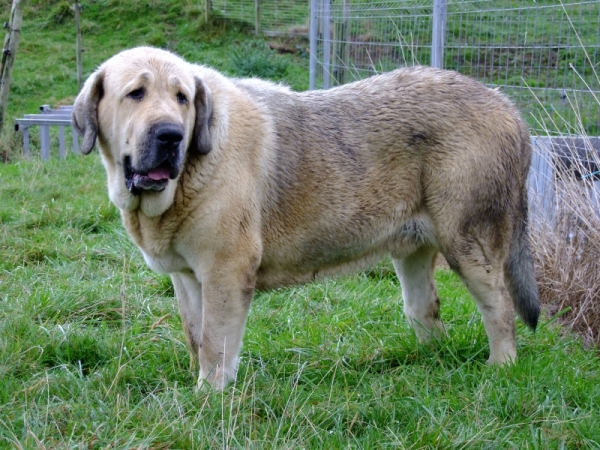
(146, 109)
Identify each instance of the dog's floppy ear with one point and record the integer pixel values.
(201, 140)
(85, 110)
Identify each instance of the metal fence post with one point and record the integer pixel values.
(312, 31)
(326, 43)
(438, 33)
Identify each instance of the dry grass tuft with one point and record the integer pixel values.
(566, 243)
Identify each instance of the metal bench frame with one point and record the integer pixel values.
(48, 117)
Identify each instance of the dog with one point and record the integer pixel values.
(231, 185)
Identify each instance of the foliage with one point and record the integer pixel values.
(61, 12)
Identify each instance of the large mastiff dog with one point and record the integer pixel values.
(232, 185)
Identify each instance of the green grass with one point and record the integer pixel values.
(92, 353)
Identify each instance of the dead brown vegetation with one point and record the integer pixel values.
(566, 244)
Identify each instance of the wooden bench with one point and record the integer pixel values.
(48, 117)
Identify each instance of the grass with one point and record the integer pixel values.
(92, 353)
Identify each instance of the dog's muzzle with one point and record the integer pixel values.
(160, 160)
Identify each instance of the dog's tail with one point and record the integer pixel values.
(520, 272)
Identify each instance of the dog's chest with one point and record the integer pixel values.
(155, 241)
(168, 261)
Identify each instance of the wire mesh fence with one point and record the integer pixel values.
(273, 17)
(544, 55)
(356, 39)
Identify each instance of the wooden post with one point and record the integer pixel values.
(26, 142)
(61, 142)
(206, 11)
(79, 46)
(8, 55)
(45, 136)
(75, 135)
(257, 17)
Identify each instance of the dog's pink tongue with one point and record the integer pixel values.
(160, 173)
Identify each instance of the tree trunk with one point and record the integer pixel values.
(9, 53)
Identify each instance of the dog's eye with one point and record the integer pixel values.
(181, 99)
(137, 94)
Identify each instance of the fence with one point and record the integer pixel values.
(271, 18)
(561, 165)
(544, 55)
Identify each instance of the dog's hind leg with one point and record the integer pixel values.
(482, 271)
(421, 301)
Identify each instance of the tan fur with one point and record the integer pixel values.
(278, 187)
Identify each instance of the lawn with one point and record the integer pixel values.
(93, 355)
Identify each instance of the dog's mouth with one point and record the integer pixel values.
(155, 179)
(160, 157)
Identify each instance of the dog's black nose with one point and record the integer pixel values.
(169, 135)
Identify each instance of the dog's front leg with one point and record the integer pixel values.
(188, 291)
(227, 291)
